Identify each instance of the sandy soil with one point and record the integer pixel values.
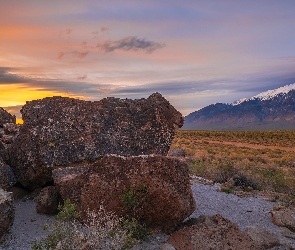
(248, 145)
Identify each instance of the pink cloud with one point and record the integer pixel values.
(103, 29)
(80, 54)
(60, 55)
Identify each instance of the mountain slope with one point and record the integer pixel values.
(270, 110)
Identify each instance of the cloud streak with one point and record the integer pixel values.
(131, 43)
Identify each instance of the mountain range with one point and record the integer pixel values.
(269, 110)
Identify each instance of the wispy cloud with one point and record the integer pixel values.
(8, 78)
(131, 43)
(104, 29)
(60, 55)
(80, 54)
(81, 77)
(68, 31)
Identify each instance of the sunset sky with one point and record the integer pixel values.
(193, 52)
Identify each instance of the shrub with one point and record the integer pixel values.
(103, 230)
(245, 183)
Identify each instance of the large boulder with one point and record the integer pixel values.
(7, 177)
(153, 189)
(6, 117)
(59, 131)
(212, 232)
(6, 212)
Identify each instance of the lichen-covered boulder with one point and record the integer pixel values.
(212, 232)
(7, 212)
(6, 117)
(59, 131)
(153, 189)
(7, 177)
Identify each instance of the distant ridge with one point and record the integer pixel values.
(269, 110)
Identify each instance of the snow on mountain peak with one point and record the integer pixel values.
(267, 95)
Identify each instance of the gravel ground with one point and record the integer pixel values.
(28, 225)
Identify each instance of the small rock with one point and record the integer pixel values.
(284, 218)
(287, 233)
(48, 200)
(211, 232)
(167, 246)
(262, 237)
(7, 211)
(7, 177)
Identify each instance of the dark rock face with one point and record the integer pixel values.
(6, 212)
(48, 200)
(7, 177)
(59, 131)
(156, 188)
(212, 232)
(8, 132)
(5, 117)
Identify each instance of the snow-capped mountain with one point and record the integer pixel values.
(267, 95)
(272, 109)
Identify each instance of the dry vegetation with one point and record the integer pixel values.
(253, 160)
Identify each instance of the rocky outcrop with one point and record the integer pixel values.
(6, 212)
(211, 232)
(5, 117)
(7, 177)
(153, 189)
(48, 200)
(60, 131)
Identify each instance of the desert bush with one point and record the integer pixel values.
(245, 183)
(103, 230)
(269, 168)
(64, 232)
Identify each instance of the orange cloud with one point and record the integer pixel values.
(18, 94)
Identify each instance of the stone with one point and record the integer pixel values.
(155, 190)
(284, 218)
(8, 133)
(6, 117)
(287, 233)
(7, 177)
(262, 237)
(7, 212)
(48, 200)
(59, 131)
(167, 246)
(211, 232)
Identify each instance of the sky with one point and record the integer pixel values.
(194, 53)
